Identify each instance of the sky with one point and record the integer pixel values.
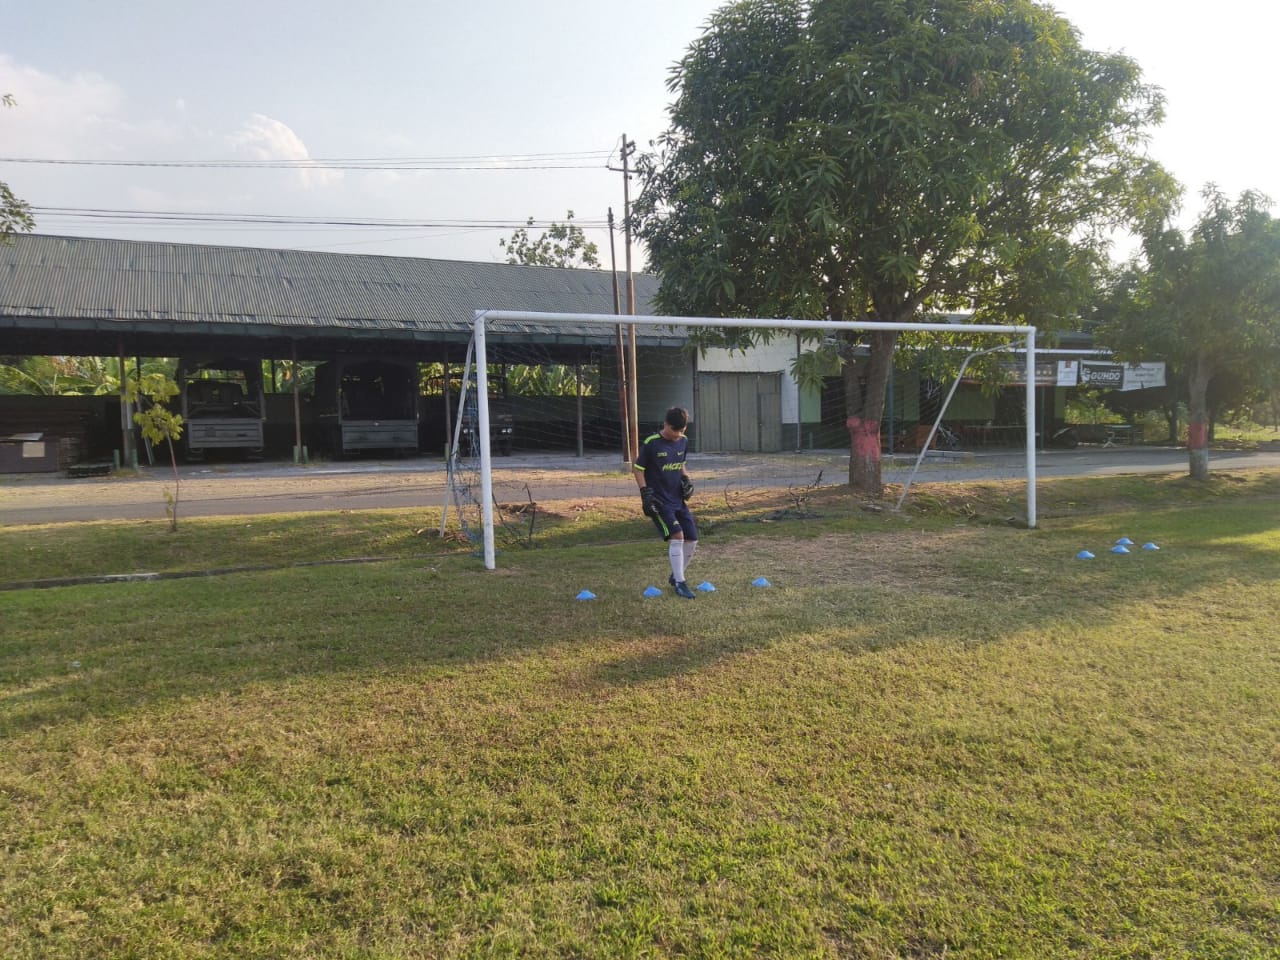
(503, 111)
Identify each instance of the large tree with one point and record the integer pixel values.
(878, 159)
(14, 214)
(1208, 303)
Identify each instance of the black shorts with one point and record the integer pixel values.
(671, 520)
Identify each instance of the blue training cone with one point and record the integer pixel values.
(706, 587)
(652, 592)
(1119, 548)
(1084, 555)
(1124, 542)
(585, 595)
(1149, 546)
(761, 582)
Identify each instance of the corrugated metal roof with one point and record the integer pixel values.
(134, 285)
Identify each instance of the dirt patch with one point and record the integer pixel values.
(902, 558)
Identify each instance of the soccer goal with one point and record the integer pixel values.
(539, 436)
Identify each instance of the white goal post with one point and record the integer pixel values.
(484, 317)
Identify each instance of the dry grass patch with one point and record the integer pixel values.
(906, 560)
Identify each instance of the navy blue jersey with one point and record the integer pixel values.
(662, 462)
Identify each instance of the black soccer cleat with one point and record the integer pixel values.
(682, 590)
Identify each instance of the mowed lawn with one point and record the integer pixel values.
(935, 735)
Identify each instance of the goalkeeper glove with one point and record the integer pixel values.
(647, 502)
(686, 487)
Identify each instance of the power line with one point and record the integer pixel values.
(583, 160)
(174, 217)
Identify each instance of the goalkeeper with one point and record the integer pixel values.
(665, 488)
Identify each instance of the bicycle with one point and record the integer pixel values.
(946, 439)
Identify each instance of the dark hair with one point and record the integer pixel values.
(677, 418)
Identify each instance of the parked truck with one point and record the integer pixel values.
(367, 403)
(222, 403)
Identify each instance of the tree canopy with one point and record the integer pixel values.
(878, 159)
(560, 245)
(15, 214)
(1208, 303)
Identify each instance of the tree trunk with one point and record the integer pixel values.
(865, 407)
(1198, 419)
(177, 484)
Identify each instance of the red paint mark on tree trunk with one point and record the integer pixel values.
(864, 437)
(1198, 436)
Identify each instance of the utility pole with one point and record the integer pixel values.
(633, 399)
(624, 402)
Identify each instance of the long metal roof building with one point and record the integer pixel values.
(82, 296)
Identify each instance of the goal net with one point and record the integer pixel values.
(538, 447)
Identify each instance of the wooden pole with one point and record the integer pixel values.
(448, 405)
(127, 456)
(624, 402)
(577, 384)
(297, 404)
(633, 395)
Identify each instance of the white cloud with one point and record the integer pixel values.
(59, 116)
(265, 138)
(85, 116)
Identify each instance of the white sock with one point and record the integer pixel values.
(690, 547)
(675, 550)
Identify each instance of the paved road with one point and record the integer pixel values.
(245, 489)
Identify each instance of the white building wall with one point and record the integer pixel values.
(773, 357)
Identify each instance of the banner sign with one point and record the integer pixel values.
(1140, 376)
(1086, 373)
(1104, 376)
(1122, 376)
(1014, 373)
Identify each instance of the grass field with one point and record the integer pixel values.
(936, 734)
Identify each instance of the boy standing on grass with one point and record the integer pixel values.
(664, 489)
